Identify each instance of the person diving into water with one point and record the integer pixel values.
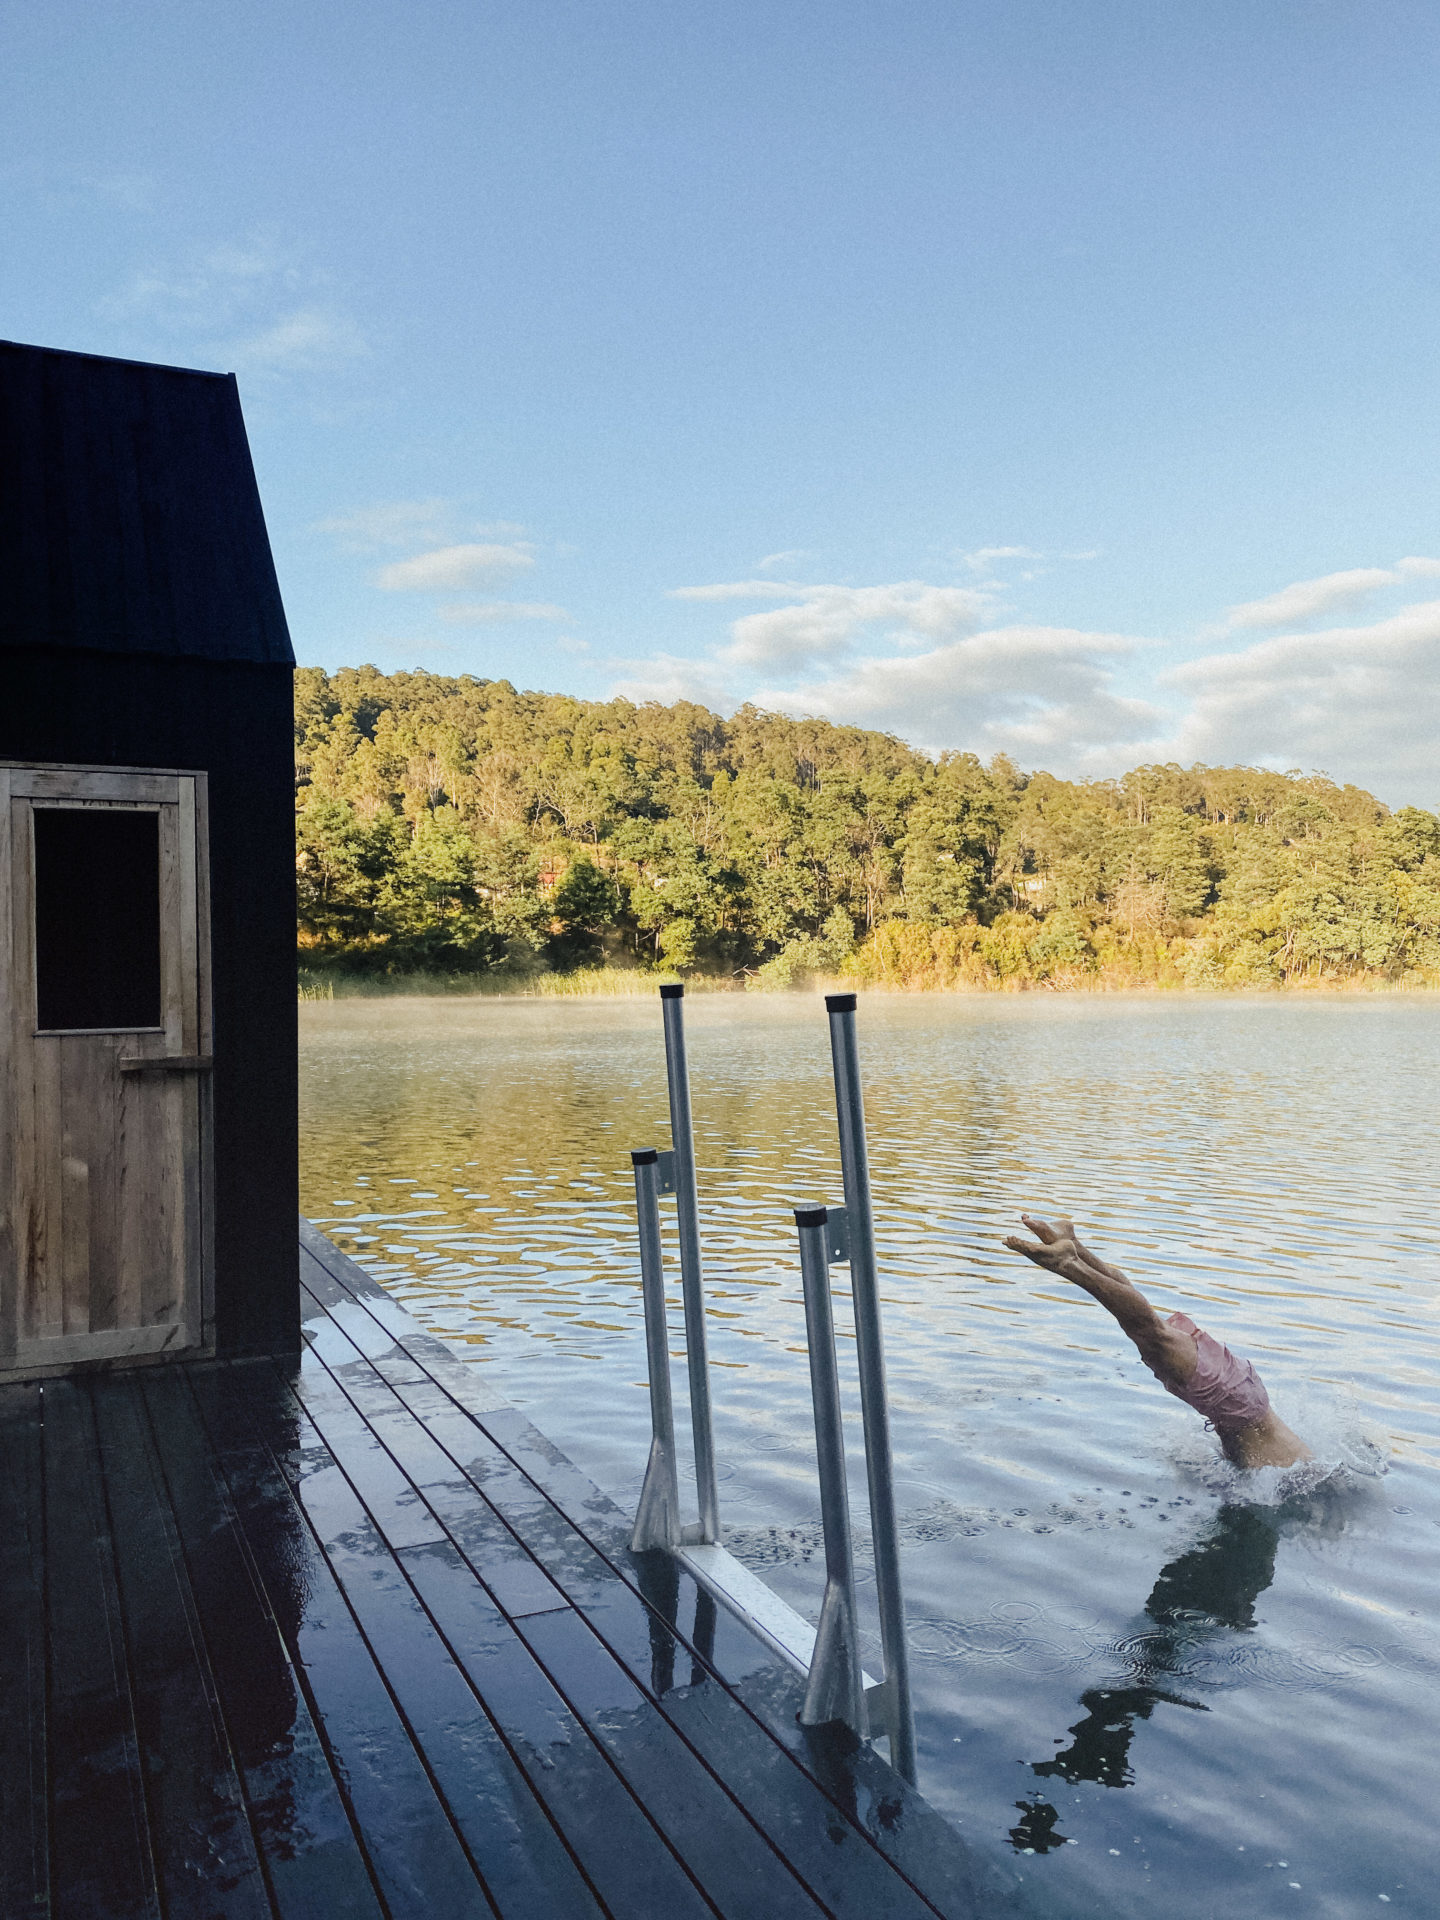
(1188, 1362)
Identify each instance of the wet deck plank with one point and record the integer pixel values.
(352, 1639)
(305, 1827)
(24, 1853)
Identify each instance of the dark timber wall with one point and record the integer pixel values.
(141, 625)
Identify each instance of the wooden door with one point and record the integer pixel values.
(103, 1146)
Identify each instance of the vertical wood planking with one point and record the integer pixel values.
(186, 931)
(36, 1106)
(74, 1059)
(103, 1123)
(189, 1222)
(160, 1192)
(173, 986)
(189, 1103)
(205, 1043)
(104, 1195)
(46, 1315)
(132, 1241)
(28, 1197)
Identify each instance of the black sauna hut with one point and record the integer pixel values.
(148, 1185)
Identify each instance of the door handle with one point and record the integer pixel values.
(166, 1063)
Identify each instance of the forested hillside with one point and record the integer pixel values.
(457, 825)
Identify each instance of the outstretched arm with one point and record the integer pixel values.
(1165, 1350)
(1170, 1354)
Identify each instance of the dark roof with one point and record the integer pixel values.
(129, 516)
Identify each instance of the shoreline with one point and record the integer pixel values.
(316, 985)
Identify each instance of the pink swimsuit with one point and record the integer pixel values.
(1226, 1390)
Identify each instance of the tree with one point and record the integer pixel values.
(459, 822)
(584, 906)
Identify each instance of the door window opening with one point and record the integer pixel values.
(97, 919)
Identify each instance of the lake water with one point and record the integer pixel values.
(1220, 1692)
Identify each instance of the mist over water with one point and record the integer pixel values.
(1144, 1679)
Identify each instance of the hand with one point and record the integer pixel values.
(1054, 1248)
(1058, 1249)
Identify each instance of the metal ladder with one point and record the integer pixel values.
(837, 1688)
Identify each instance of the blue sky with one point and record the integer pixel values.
(1032, 375)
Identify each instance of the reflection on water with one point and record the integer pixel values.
(1265, 1165)
(1212, 1587)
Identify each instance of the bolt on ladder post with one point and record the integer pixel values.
(836, 1686)
(657, 1517)
(692, 1284)
(895, 1704)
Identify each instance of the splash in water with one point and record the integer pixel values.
(1344, 1454)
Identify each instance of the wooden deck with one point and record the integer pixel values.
(357, 1641)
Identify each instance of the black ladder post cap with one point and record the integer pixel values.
(811, 1216)
(672, 990)
(644, 1156)
(840, 1003)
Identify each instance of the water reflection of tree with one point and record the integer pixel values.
(1209, 1590)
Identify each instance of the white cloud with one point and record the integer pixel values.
(255, 305)
(1043, 694)
(436, 522)
(480, 613)
(741, 590)
(1308, 599)
(782, 559)
(826, 621)
(309, 340)
(212, 288)
(829, 621)
(131, 192)
(1361, 702)
(63, 189)
(668, 677)
(452, 569)
(394, 523)
(982, 559)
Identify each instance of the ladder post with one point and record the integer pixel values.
(836, 1688)
(870, 1353)
(657, 1517)
(692, 1284)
